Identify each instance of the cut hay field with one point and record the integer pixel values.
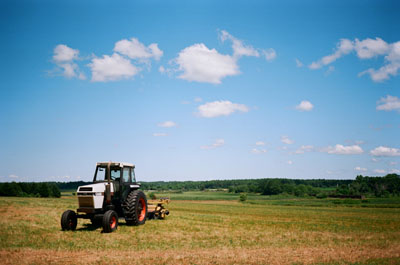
(212, 228)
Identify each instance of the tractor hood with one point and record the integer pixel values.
(95, 187)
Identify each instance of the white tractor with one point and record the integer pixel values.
(114, 193)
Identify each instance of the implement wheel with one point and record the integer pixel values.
(135, 208)
(110, 221)
(68, 220)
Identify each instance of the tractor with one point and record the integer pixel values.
(114, 193)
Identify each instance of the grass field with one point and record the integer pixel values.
(209, 228)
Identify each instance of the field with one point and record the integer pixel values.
(209, 228)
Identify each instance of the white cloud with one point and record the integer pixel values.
(285, 139)
(159, 134)
(64, 57)
(344, 47)
(361, 169)
(269, 54)
(380, 171)
(239, 49)
(299, 63)
(134, 49)
(112, 68)
(385, 151)
(63, 53)
(343, 150)
(260, 143)
(392, 163)
(367, 49)
(374, 160)
(305, 105)
(198, 63)
(389, 103)
(220, 108)
(217, 143)
(304, 148)
(258, 151)
(167, 124)
(198, 99)
(382, 73)
(289, 162)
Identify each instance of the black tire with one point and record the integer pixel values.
(68, 220)
(135, 208)
(110, 221)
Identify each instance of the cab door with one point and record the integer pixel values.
(126, 181)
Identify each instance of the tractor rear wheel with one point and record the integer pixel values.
(110, 221)
(135, 208)
(68, 220)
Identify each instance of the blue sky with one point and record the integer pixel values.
(198, 91)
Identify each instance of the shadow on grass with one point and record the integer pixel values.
(92, 227)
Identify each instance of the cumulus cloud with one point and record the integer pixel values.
(64, 57)
(159, 134)
(258, 151)
(134, 49)
(385, 151)
(343, 150)
(389, 103)
(260, 143)
(285, 139)
(201, 64)
(167, 124)
(217, 143)
(305, 105)
(112, 68)
(304, 148)
(367, 49)
(220, 108)
(198, 99)
(360, 169)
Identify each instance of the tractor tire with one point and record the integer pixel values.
(69, 220)
(110, 221)
(135, 208)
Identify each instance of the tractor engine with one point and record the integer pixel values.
(91, 197)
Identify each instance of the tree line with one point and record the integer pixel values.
(30, 189)
(361, 185)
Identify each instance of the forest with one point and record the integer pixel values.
(388, 185)
(30, 189)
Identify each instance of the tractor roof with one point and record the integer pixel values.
(115, 164)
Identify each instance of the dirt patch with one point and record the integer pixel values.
(201, 256)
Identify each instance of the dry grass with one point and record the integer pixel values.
(203, 232)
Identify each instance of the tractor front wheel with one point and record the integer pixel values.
(110, 221)
(68, 220)
(135, 208)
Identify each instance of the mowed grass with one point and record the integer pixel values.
(203, 229)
